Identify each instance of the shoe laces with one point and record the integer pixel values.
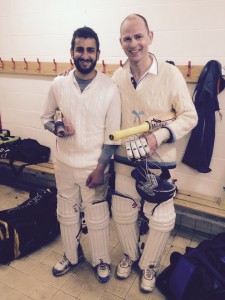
(126, 261)
(64, 260)
(149, 273)
(102, 266)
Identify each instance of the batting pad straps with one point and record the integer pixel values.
(65, 211)
(97, 220)
(164, 215)
(123, 210)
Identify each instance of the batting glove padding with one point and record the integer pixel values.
(136, 147)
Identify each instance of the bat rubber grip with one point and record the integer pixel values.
(120, 134)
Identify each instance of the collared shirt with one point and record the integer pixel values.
(152, 70)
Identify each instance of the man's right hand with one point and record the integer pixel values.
(66, 72)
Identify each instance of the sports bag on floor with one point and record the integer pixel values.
(29, 226)
(199, 274)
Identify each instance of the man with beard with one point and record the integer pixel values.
(90, 105)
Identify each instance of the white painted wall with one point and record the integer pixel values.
(183, 30)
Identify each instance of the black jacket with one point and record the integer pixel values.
(199, 150)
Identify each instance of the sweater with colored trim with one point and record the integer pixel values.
(159, 93)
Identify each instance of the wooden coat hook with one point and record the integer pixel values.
(13, 64)
(2, 64)
(55, 66)
(39, 65)
(26, 64)
(103, 67)
(121, 63)
(189, 69)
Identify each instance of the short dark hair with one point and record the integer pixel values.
(85, 32)
(136, 15)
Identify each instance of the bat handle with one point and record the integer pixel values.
(120, 134)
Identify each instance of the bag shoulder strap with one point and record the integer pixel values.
(17, 170)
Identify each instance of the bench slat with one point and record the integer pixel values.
(41, 167)
(200, 203)
(216, 212)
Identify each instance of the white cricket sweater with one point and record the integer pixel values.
(94, 114)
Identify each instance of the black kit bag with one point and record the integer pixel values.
(28, 151)
(199, 274)
(29, 226)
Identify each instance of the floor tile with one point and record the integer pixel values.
(90, 292)
(43, 291)
(74, 286)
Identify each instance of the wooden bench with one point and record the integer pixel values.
(186, 202)
(42, 167)
(47, 168)
(42, 174)
(200, 203)
(200, 212)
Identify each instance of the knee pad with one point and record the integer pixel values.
(164, 216)
(97, 215)
(67, 214)
(124, 210)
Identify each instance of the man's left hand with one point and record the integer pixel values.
(96, 178)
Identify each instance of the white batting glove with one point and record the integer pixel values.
(136, 147)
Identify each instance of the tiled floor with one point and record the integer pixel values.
(31, 278)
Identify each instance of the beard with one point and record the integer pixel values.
(82, 69)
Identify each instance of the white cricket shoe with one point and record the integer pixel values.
(148, 280)
(64, 265)
(103, 272)
(124, 267)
